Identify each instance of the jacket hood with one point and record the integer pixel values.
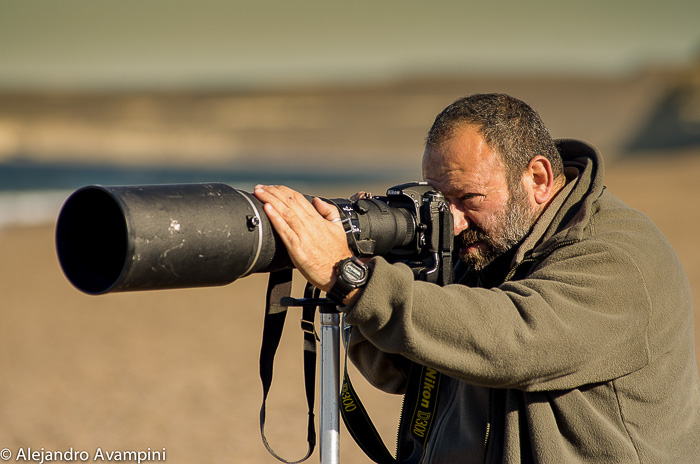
(567, 216)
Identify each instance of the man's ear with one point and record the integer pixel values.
(539, 180)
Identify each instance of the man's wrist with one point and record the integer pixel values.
(351, 275)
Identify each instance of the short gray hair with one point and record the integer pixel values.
(509, 126)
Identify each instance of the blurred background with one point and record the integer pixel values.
(325, 97)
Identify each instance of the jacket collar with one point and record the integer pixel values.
(569, 213)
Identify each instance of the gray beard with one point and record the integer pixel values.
(517, 219)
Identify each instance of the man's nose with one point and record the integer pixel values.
(459, 218)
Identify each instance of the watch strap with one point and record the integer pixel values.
(337, 294)
(342, 287)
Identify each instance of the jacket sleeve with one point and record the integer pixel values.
(579, 317)
(385, 371)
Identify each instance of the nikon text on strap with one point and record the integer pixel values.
(423, 383)
(415, 425)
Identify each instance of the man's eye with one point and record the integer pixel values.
(470, 197)
(471, 200)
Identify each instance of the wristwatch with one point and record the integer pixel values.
(352, 273)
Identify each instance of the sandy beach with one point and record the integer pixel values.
(177, 371)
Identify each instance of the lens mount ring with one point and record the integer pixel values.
(257, 219)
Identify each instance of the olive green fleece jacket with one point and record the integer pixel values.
(584, 354)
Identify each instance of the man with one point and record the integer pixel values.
(569, 337)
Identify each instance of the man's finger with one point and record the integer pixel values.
(328, 211)
(283, 203)
(288, 202)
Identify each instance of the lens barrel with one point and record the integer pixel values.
(122, 238)
(126, 238)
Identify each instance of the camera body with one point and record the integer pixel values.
(126, 238)
(428, 233)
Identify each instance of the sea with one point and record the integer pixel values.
(32, 193)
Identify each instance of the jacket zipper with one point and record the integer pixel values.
(539, 258)
(487, 434)
(486, 437)
(401, 412)
(510, 275)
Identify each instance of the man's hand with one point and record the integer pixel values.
(313, 234)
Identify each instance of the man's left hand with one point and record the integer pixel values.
(313, 234)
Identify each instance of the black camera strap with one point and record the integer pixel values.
(423, 383)
(416, 422)
(279, 286)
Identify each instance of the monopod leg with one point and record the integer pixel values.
(330, 385)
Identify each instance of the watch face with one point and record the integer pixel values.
(353, 272)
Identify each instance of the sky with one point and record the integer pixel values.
(160, 44)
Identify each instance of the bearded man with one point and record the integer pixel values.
(568, 334)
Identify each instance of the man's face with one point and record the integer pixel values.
(489, 218)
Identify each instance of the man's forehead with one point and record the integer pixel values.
(463, 163)
(467, 153)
